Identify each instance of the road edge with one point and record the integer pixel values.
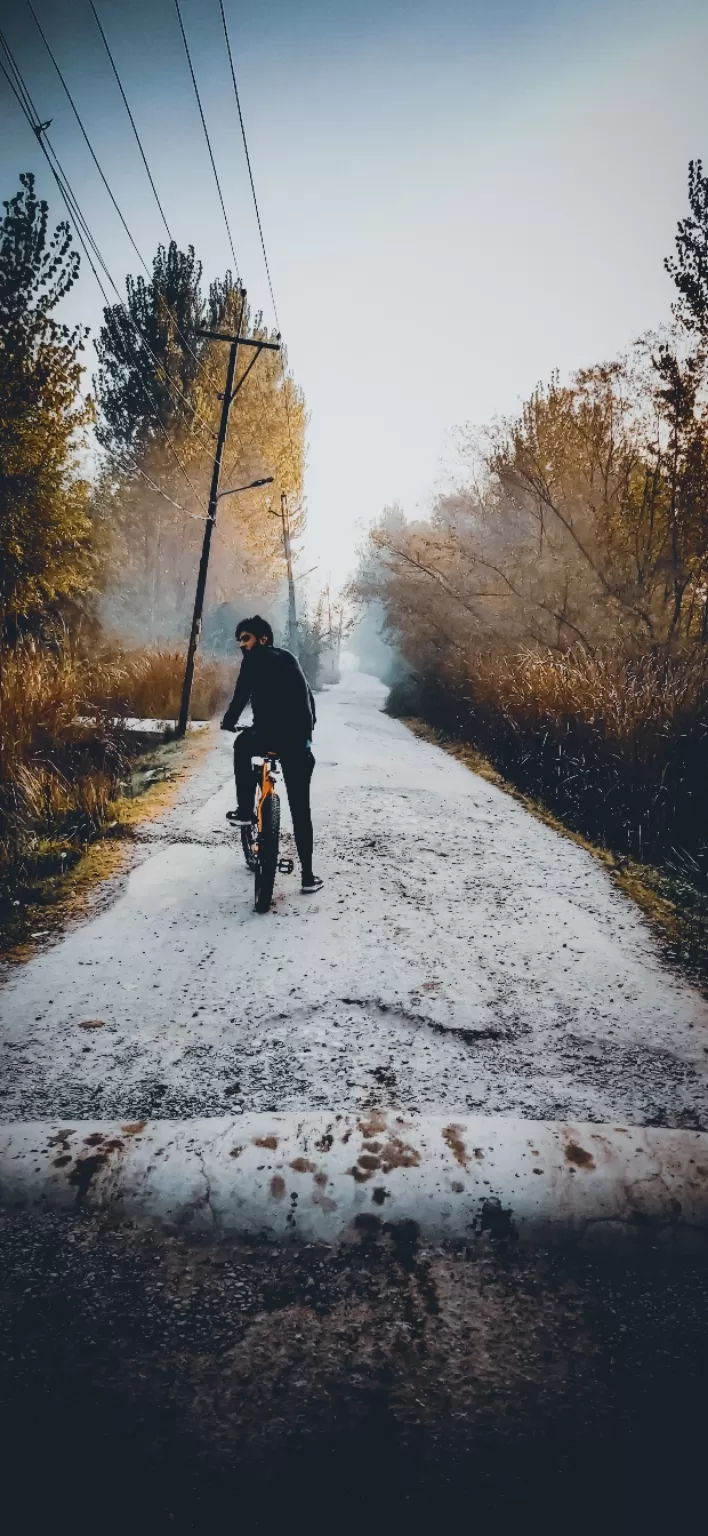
(671, 923)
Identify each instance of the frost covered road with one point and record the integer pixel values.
(461, 956)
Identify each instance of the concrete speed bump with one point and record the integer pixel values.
(321, 1177)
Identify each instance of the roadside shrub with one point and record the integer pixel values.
(617, 749)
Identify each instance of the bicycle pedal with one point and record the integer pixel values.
(286, 866)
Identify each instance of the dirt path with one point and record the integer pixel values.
(462, 955)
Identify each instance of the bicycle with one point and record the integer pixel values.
(261, 841)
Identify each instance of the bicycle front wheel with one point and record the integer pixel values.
(268, 844)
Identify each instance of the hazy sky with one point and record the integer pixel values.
(457, 197)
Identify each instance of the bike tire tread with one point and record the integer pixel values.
(268, 845)
(247, 845)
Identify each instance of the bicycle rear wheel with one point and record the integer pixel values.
(248, 839)
(268, 843)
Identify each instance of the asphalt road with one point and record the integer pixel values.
(462, 956)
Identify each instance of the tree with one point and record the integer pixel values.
(689, 267)
(159, 390)
(587, 528)
(45, 527)
(684, 423)
(320, 632)
(583, 524)
(148, 353)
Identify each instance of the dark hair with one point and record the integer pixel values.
(256, 626)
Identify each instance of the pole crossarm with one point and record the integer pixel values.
(243, 341)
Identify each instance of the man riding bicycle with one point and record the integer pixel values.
(272, 680)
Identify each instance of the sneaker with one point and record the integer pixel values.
(311, 883)
(238, 819)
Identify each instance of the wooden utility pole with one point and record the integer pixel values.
(292, 611)
(206, 545)
(215, 495)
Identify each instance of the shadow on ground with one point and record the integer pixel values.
(196, 1386)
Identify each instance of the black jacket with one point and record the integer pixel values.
(273, 682)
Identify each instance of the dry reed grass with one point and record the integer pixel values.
(148, 683)
(57, 778)
(617, 749)
(64, 759)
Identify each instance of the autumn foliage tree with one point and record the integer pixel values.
(46, 558)
(159, 388)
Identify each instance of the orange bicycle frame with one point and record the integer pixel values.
(267, 786)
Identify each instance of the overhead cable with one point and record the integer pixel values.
(89, 145)
(85, 236)
(126, 104)
(260, 225)
(206, 135)
(248, 160)
(172, 383)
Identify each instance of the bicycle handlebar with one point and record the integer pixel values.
(238, 728)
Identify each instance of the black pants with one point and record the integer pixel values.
(297, 764)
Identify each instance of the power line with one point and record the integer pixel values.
(130, 115)
(86, 238)
(260, 226)
(248, 161)
(163, 493)
(206, 135)
(171, 383)
(88, 243)
(22, 95)
(89, 145)
(19, 89)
